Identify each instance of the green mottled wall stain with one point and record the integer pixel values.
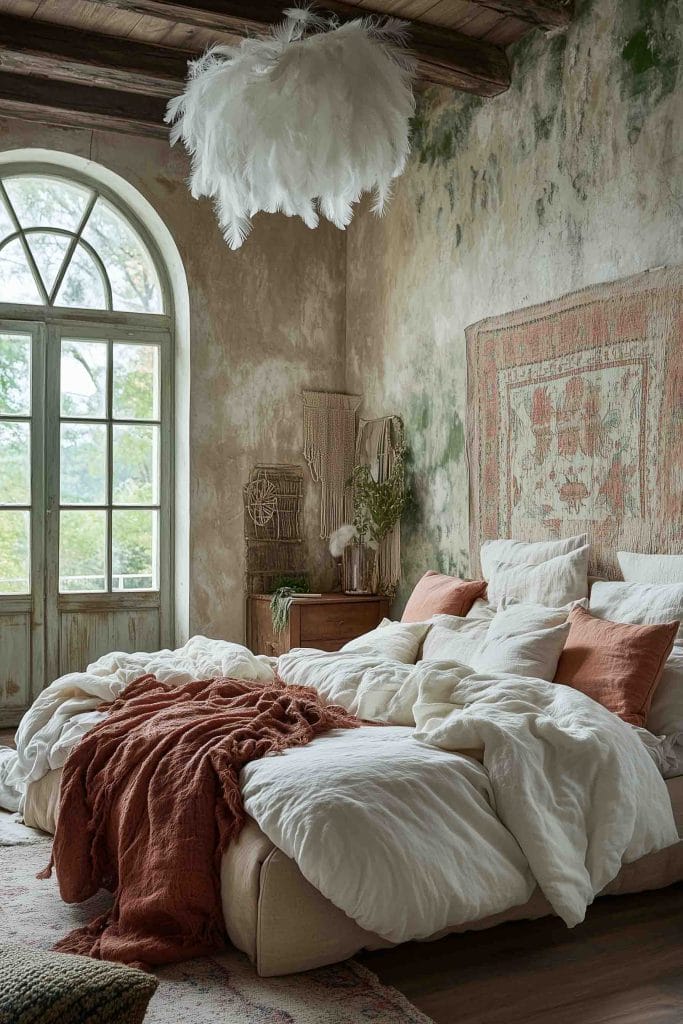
(651, 57)
(437, 442)
(465, 169)
(438, 138)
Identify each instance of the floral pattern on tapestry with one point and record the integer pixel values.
(576, 420)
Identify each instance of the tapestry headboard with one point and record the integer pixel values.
(575, 420)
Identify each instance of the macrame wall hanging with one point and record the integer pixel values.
(329, 435)
(376, 446)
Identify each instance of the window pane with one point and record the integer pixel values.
(135, 560)
(15, 464)
(82, 287)
(43, 202)
(83, 378)
(16, 280)
(83, 464)
(15, 531)
(132, 273)
(48, 251)
(15, 375)
(136, 465)
(136, 382)
(82, 550)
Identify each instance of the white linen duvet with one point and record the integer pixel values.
(483, 786)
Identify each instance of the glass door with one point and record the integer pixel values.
(21, 516)
(108, 566)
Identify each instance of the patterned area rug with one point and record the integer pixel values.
(222, 989)
(574, 420)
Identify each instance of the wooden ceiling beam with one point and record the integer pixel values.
(538, 13)
(71, 104)
(445, 57)
(74, 55)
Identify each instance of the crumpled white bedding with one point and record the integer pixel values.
(66, 709)
(392, 824)
(378, 689)
(570, 783)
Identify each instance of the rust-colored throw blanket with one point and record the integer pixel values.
(150, 798)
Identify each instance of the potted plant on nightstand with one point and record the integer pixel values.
(378, 507)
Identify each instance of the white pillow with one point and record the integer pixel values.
(514, 618)
(639, 603)
(397, 641)
(557, 582)
(481, 609)
(637, 568)
(665, 717)
(520, 552)
(449, 643)
(525, 640)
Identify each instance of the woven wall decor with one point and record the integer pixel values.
(329, 441)
(376, 447)
(273, 499)
(574, 420)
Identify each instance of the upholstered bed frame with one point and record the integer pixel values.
(285, 925)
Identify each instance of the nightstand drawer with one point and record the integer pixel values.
(332, 621)
(326, 622)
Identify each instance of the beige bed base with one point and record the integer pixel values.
(285, 925)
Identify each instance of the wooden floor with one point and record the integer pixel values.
(623, 965)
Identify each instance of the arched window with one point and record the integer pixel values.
(62, 243)
(86, 432)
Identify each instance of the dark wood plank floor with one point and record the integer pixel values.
(7, 738)
(623, 965)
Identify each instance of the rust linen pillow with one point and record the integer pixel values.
(618, 665)
(436, 594)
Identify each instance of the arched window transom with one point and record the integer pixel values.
(63, 243)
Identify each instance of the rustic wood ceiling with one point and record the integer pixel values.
(116, 62)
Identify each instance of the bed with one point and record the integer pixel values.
(285, 925)
(293, 886)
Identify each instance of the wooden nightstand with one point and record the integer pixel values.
(326, 622)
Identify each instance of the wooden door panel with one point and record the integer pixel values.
(87, 635)
(15, 665)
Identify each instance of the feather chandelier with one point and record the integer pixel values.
(301, 122)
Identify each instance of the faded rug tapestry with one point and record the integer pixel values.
(575, 420)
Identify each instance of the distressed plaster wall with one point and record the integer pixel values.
(572, 177)
(265, 322)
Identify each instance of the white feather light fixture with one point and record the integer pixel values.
(302, 122)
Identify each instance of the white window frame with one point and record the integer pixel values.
(48, 323)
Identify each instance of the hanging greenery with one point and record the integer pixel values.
(281, 602)
(378, 507)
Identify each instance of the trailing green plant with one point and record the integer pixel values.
(296, 581)
(281, 602)
(378, 507)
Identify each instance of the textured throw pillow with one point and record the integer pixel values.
(454, 643)
(436, 594)
(637, 568)
(38, 987)
(637, 603)
(617, 664)
(559, 581)
(396, 641)
(523, 552)
(525, 640)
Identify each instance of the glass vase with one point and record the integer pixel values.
(358, 568)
